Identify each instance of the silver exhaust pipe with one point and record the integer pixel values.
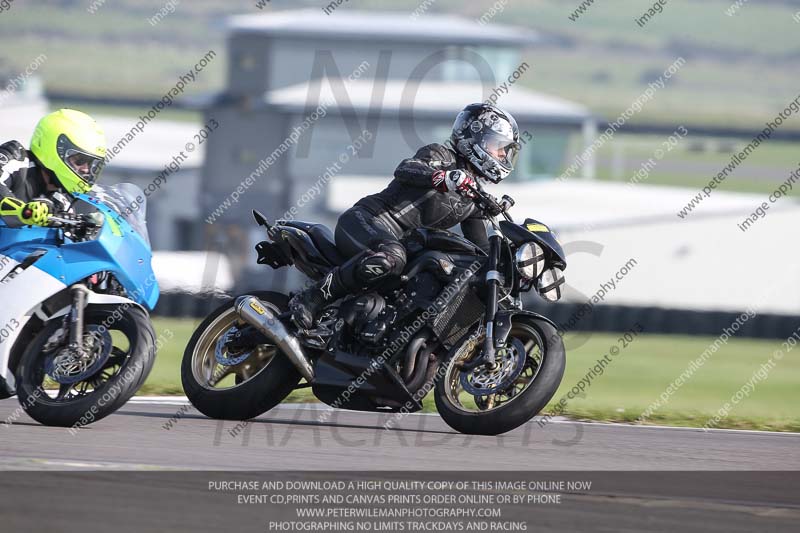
(257, 314)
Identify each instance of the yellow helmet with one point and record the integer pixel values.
(71, 145)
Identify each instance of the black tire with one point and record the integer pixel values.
(522, 408)
(135, 324)
(4, 390)
(263, 391)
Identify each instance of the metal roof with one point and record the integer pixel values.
(348, 24)
(157, 144)
(433, 99)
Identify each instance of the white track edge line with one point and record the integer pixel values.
(182, 400)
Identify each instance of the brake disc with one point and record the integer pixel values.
(70, 366)
(484, 380)
(221, 350)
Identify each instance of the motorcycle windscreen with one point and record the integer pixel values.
(129, 201)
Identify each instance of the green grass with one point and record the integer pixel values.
(179, 115)
(165, 378)
(633, 380)
(643, 371)
(695, 166)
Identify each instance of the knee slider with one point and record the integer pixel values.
(395, 254)
(385, 259)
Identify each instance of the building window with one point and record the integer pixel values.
(462, 66)
(186, 234)
(543, 156)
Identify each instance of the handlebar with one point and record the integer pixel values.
(486, 202)
(68, 220)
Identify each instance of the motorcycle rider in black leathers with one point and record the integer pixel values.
(433, 189)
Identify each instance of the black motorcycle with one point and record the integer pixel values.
(454, 323)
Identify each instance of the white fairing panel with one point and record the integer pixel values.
(19, 298)
(6, 265)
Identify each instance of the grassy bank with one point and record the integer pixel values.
(632, 382)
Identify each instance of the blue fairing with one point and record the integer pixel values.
(118, 249)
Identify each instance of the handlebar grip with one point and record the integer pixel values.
(62, 221)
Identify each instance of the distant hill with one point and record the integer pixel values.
(741, 68)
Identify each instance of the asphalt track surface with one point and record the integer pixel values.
(304, 438)
(658, 491)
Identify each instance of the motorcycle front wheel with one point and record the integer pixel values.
(59, 387)
(533, 365)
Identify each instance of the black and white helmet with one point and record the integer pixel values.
(489, 138)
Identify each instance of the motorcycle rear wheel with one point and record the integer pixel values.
(244, 390)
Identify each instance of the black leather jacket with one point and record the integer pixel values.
(21, 177)
(412, 202)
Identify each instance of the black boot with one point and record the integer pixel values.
(362, 271)
(306, 304)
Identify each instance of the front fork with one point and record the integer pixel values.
(79, 293)
(493, 281)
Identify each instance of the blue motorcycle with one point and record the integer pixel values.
(76, 341)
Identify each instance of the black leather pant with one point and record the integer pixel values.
(372, 242)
